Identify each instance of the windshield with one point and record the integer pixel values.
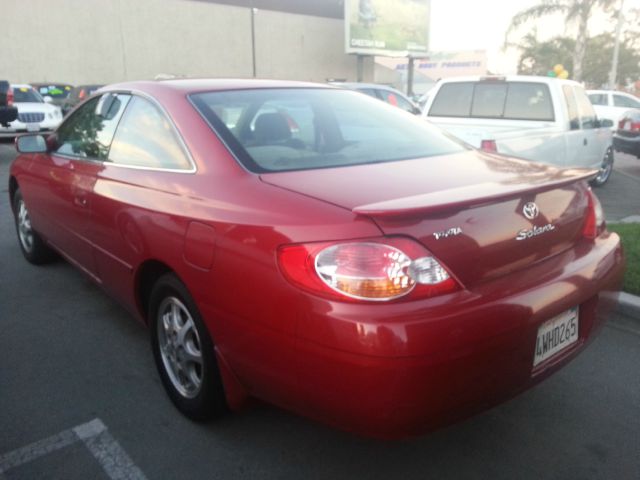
(26, 95)
(55, 91)
(305, 128)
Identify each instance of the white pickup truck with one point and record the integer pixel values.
(541, 119)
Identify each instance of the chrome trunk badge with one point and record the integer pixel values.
(530, 210)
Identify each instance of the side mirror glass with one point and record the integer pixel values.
(31, 144)
(574, 124)
(606, 123)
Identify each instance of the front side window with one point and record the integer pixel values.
(572, 107)
(146, 138)
(89, 131)
(585, 109)
(624, 101)
(598, 98)
(303, 128)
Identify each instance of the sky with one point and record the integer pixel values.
(481, 25)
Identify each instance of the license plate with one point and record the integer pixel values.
(555, 335)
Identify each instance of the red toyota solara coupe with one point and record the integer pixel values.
(319, 249)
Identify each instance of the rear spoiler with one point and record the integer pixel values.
(472, 195)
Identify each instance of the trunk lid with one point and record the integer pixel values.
(468, 209)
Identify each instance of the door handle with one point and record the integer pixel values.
(584, 142)
(80, 201)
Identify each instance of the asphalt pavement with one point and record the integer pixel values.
(80, 398)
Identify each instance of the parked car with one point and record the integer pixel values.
(384, 93)
(34, 114)
(627, 137)
(8, 112)
(57, 92)
(77, 95)
(364, 268)
(611, 104)
(542, 119)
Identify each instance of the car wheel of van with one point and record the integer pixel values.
(605, 169)
(183, 351)
(34, 249)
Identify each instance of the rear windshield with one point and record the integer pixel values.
(508, 100)
(298, 129)
(55, 91)
(26, 95)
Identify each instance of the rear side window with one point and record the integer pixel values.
(507, 100)
(369, 91)
(623, 101)
(146, 138)
(396, 100)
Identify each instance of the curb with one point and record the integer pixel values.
(629, 305)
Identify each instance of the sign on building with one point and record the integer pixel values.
(387, 27)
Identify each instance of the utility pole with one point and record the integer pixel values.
(616, 49)
(253, 38)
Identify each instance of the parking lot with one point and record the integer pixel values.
(80, 398)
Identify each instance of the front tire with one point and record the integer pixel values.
(183, 351)
(33, 248)
(605, 169)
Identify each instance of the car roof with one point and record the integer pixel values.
(20, 85)
(508, 78)
(193, 85)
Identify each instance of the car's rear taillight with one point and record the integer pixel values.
(594, 223)
(635, 126)
(10, 97)
(372, 270)
(489, 146)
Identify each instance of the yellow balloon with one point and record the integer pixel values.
(563, 74)
(559, 68)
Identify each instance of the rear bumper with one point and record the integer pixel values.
(627, 145)
(399, 369)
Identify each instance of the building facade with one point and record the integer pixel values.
(106, 41)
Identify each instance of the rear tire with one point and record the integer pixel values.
(183, 351)
(34, 249)
(605, 169)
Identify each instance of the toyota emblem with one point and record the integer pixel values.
(530, 210)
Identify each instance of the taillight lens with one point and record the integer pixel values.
(595, 222)
(10, 97)
(489, 146)
(635, 126)
(378, 270)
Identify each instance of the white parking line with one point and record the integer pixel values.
(94, 434)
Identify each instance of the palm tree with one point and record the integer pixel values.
(575, 12)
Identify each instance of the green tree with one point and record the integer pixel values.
(576, 12)
(537, 58)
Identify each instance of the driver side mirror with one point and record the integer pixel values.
(606, 123)
(31, 144)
